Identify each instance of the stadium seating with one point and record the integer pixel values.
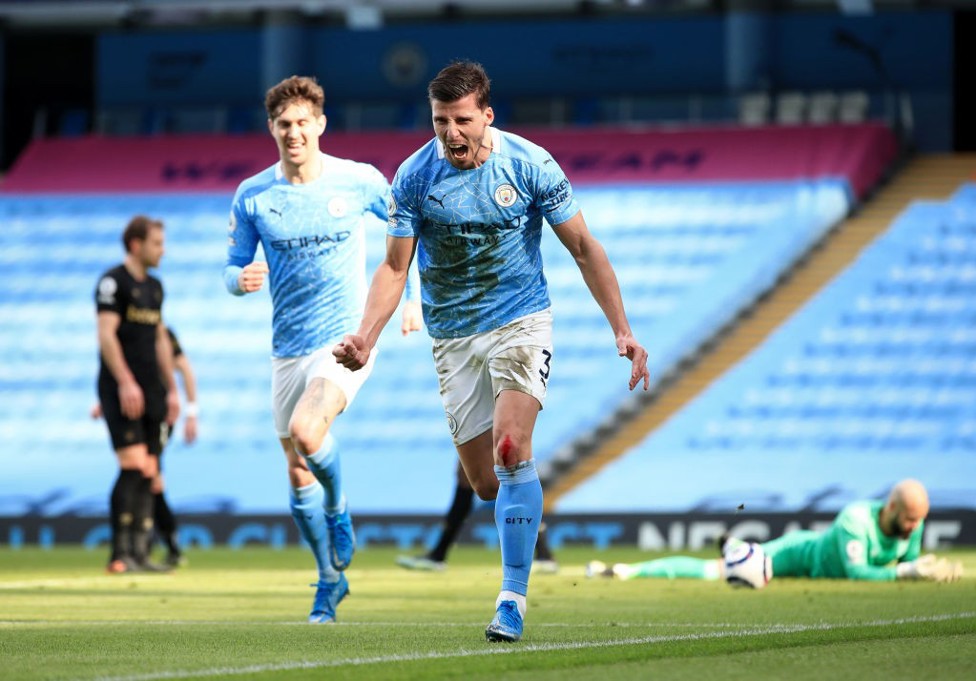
(689, 258)
(878, 367)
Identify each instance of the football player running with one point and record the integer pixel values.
(309, 213)
(472, 203)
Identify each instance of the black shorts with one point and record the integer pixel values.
(151, 429)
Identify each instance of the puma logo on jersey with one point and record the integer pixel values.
(438, 201)
(275, 211)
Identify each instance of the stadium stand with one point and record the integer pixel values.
(705, 236)
(690, 257)
(875, 372)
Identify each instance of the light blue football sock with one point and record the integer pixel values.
(306, 509)
(324, 464)
(518, 515)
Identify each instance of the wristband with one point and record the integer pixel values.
(190, 410)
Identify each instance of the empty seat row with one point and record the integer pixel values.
(857, 386)
(748, 234)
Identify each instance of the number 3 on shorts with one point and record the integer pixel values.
(544, 370)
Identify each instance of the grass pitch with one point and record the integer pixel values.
(240, 615)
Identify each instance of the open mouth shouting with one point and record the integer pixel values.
(459, 153)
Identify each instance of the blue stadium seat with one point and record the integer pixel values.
(689, 258)
(877, 369)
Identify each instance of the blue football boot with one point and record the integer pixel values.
(327, 597)
(507, 625)
(342, 539)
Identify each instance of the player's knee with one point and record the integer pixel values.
(305, 436)
(511, 449)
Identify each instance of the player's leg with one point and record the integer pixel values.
(315, 412)
(306, 496)
(519, 367)
(477, 457)
(460, 509)
(165, 524)
(129, 442)
(143, 531)
(669, 567)
(156, 432)
(164, 520)
(329, 390)
(123, 504)
(518, 508)
(306, 503)
(478, 426)
(132, 440)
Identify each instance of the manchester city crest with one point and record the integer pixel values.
(505, 195)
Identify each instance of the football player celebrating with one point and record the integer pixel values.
(472, 202)
(309, 212)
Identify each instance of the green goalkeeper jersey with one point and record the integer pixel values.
(853, 547)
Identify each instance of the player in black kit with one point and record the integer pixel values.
(164, 520)
(136, 387)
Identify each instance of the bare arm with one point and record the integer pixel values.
(384, 296)
(164, 358)
(131, 398)
(182, 365)
(600, 278)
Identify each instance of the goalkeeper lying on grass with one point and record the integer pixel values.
(869, 540)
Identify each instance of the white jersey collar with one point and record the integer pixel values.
(280, 174)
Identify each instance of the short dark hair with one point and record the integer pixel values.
(294, 89)
(459, 79)
(138, 229)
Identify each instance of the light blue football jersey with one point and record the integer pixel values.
(313, 237)
(479, 231)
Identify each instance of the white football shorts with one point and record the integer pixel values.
(291, 375)
(473, 370)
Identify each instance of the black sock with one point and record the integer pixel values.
(122, 513)
(165, 522)
(458, 513)
(142, 525)
(542, 550)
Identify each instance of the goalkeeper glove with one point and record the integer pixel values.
(931, 568)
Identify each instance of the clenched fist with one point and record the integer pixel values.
(352, 352)
(252, 276)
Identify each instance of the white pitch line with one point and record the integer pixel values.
(345, 624)
(527, 648)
